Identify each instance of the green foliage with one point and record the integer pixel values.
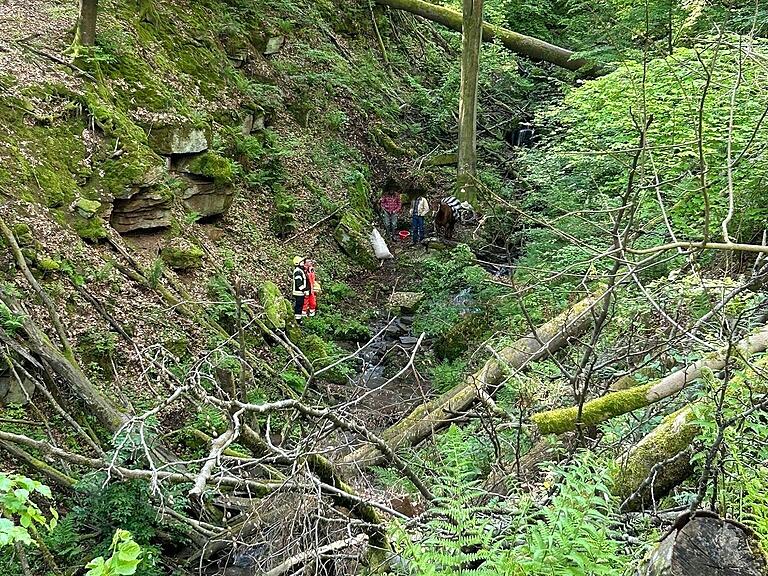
(117, 505)
(155, 272)
(569, 535)
(334, 292)
(294, 380)
(65, 541)
(460, 456)
(457, 308)
(125, 558)
(19, 514)
(100, 510)
(459, 535)
(337, 325)
(323, 353)
(223, 306)
(741, 462)
(336, 120)
(284, 218)
(10, 321)
(447, 374)
(597, 121)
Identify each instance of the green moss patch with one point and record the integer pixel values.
(274, 306)
(182, 255)
(210, 165)
(593, 412)
(352, 237)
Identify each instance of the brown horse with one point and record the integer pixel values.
(445, 220)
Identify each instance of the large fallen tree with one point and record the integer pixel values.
(519, 43)
(435, 414)
(625, 401)
(663, 458)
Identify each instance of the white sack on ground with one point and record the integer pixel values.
(380, 246)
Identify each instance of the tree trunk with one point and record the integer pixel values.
(658, 463)
(519, 43)
(624, 401)
(86, 23)
(706, 545)
(433, 415)
(662, 459)
(471, 39)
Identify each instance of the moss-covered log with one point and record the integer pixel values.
(53, 475)
(662, 460)
(519, 43)
(430, 416)
(389, 144)
(624, 401)
(659, 462)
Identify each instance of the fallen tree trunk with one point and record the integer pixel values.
(623, 401)
(430, 416)
(662, 459)
(658, 463)
(519, 43)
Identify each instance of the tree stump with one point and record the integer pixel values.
(705, 546)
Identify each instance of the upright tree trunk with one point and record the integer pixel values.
(471, 38)
(86, 23)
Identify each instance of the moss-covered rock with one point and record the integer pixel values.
(86, 208)
(405, 302)
(181, 255)
(352, 237)
(90, 229)
(275, 306)
(23, 234)
(322, 353)
(360, 196)
(178, 139)
(209, 165)
(353, 231)
(458, 338)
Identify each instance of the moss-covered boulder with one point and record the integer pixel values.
(180, 255)
(208, 165)
(23, 234)
(360, 196)
(405, 302)
(275, 306)
(322, 353)
(86, 208)
(207, 178)
(178, 138)
(354, 229)
(458, 338)
(92, 229)
(352, 235)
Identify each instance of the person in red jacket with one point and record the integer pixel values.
(310, 301)
(390, 207)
